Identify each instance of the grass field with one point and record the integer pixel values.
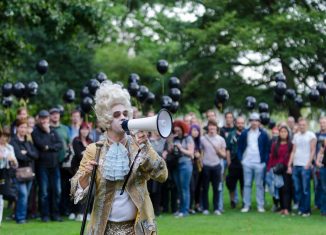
(231, 222)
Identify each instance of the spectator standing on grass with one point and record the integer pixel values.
(277, 164)
(48, 144)
(321, 137)
(300, 165)
(253, 151)
(26, 154)
(213, 146)
(321, 163)
(235, 172)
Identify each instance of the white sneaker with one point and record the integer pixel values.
(180, 215)
(205, 212)
(261, 209)
(217, 212)
(72, 216)
(295, 206)
(245, 210)
(79, 217)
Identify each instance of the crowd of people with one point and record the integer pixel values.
(41, 155)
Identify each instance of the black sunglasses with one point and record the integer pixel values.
(117, 114)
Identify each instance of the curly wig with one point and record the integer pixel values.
(106, 97)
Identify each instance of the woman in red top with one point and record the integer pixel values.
(278, 161)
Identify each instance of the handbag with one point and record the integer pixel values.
(24, 174)
(279, 169)
(8, 187)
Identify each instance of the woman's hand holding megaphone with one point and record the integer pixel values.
(141, 138)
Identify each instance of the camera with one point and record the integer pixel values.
(176, 150)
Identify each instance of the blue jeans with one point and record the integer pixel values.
(323, 194)
(182, 177)
(317, 187)
(301, 180)
(251, 170)
(49, 182)
(23, 189)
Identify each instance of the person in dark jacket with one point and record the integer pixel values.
(79, 145)
(48, 143)
(26, 154)
(253, 152)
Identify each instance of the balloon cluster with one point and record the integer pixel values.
(171, 101)
(20, 90)
(140, 92)
(87, 92)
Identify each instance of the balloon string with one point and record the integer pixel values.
(162, 86)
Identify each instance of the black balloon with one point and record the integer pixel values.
(321, 87)
(101, 77)
(150, 98)
(263, 107)
(7, 89)
(250, 102)
(19, 90)
(32, 88)
(42, 67)
(290, 94)
(299, 101)
(174, 107)
(85, 92)
(142, 93)
(162, 66)
(7, 102)
(222, 95)
(133, 89)
(61, 109)
(314, 95)
(279, 77)
(264, 118)
(93, 85)
(133, 78)
(271, 124)
(175, 94)
(280, 88)
(166, 102)
(87, 104)
(69, 96)
(174, 82)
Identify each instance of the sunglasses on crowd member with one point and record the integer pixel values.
(117, 114)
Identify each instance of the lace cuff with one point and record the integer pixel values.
(80, 193)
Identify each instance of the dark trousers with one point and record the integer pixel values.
(195, 187)
(211, 174)
(49, 182)
(66, 205)
(154, 189)
(285, 192)
(234, 176)
(169, 195)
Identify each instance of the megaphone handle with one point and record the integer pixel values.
(129, 173)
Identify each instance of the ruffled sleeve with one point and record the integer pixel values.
(77, 193)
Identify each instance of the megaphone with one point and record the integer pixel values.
(162, 123)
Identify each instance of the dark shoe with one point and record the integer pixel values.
(57, 219)
(45, 219)
(233, 204)
(21, 222)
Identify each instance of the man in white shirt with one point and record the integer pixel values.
(302, 155)
(253, 151)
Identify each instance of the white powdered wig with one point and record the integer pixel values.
(107, 96)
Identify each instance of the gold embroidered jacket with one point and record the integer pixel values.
(148, 165)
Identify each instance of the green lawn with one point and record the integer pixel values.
(231, 222)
